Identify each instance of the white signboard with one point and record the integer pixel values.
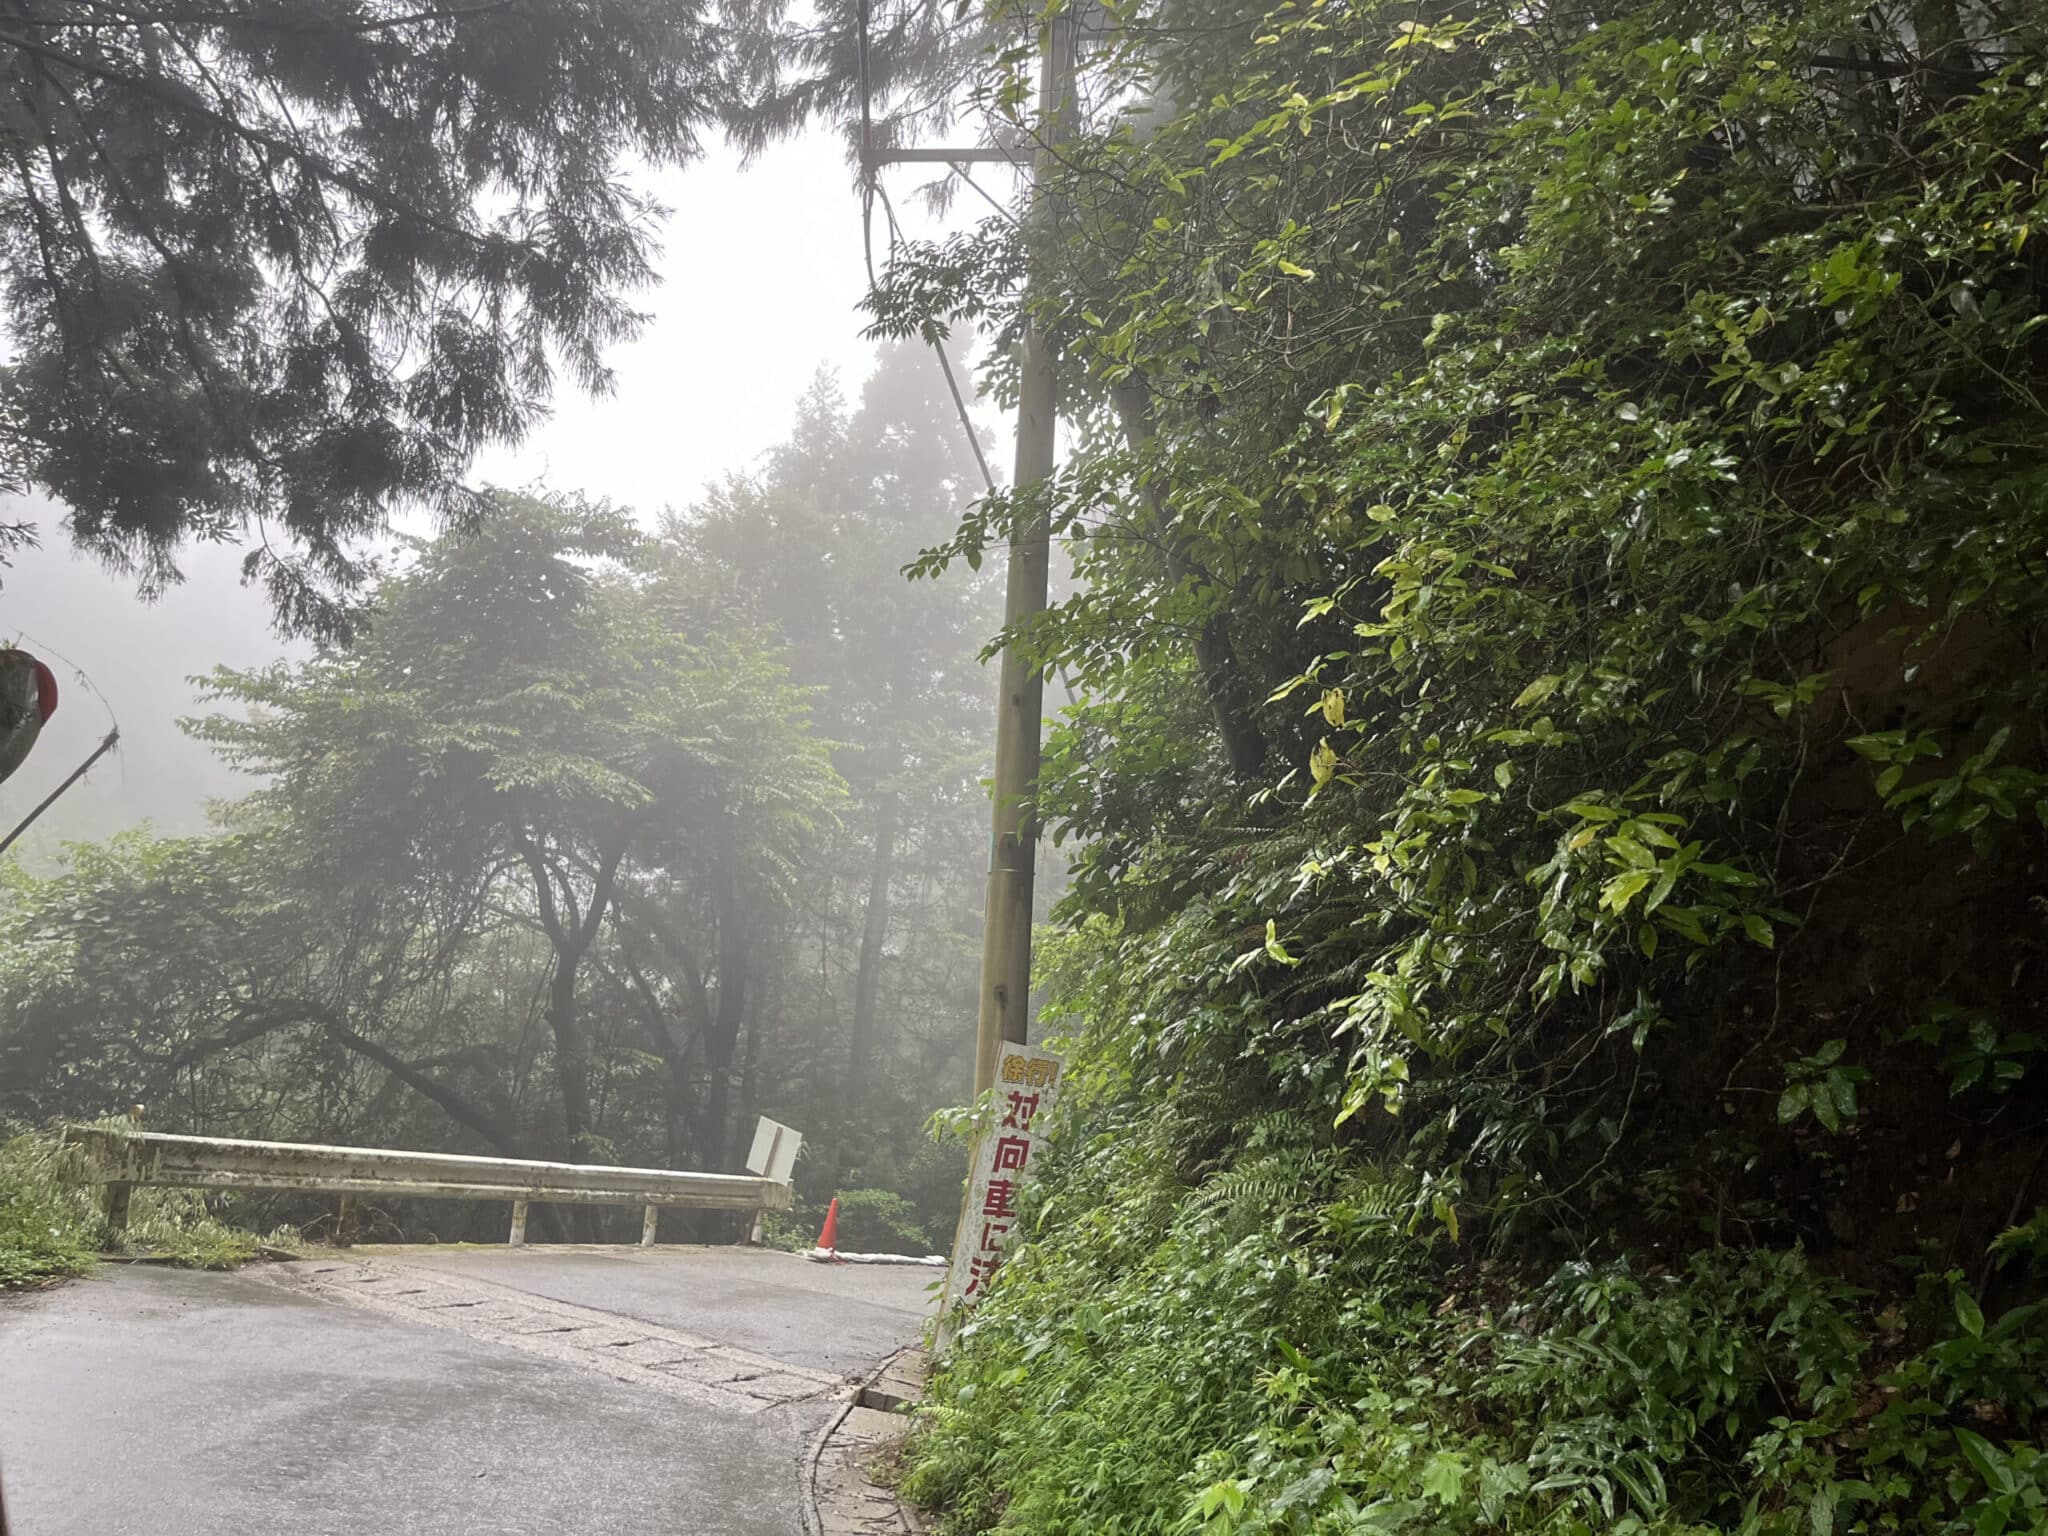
(775, 1150)
(1027, 1082)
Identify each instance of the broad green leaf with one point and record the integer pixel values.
(1990, 1462)
(1443, 1475)
(1968, 1313)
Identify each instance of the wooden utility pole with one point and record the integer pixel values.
(1005, 1012)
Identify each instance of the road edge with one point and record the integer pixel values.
(836, 1496)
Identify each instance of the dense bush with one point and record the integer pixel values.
(41, 1238)
(50, 1224)
(880, 1221)
(1278, 1353)
(1553, 973)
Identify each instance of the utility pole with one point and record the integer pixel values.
(1005, 1012)
(1004, 1015)
(1005, 1008)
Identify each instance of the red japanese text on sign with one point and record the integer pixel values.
(1026, 1093)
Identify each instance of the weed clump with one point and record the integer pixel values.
(51, 1227)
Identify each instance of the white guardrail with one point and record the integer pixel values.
(120, 1160)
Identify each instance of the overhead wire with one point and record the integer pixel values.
(871, 188)
(77, 671)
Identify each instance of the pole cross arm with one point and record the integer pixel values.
(1018, 156)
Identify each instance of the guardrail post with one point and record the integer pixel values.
(347, 1221)
(114, 1205)
(649, 1224)
(518, 1237)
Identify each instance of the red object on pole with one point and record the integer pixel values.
(828, 1240)
(28, 697)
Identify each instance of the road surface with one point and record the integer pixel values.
(423, 1390)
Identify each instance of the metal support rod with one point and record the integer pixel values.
(111, 741)
(650, 1223)
(1005, 1004)
(518, 1237)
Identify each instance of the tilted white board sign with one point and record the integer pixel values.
(774, 1151)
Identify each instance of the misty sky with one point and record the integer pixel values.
(762, 272)
(762, 275)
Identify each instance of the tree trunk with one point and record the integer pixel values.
(750, 1071)
(718, 1113)
(675, 1065)
(571, 935)
(675, 1096)
(873, 935)
(451, 1103)
(572, 1056)
(730, 1009)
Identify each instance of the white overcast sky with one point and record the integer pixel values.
(762, 272)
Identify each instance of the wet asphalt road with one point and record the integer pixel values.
(153, 1400)
(837, 1317)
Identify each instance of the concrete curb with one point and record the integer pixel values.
(838, 1498)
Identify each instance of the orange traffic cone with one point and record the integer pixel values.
(828, 1239)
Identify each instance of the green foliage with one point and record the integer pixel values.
(299, 262)
(1559, 495)
(880, 1221)
(50, 1226)
(41, 1236)
(870, 1221)
(1279, 1352)
(1823, 1084)
(1985, 1057)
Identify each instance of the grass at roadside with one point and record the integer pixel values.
(41, 1238)
(51, 1228)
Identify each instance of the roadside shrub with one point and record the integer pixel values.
(50, 1224)
(1557, 778)
(41, 1235)
(880, 1221)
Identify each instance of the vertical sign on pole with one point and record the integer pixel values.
(1027, 1083)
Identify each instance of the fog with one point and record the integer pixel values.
(762, 274)
(674, 683)
(80, 617)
